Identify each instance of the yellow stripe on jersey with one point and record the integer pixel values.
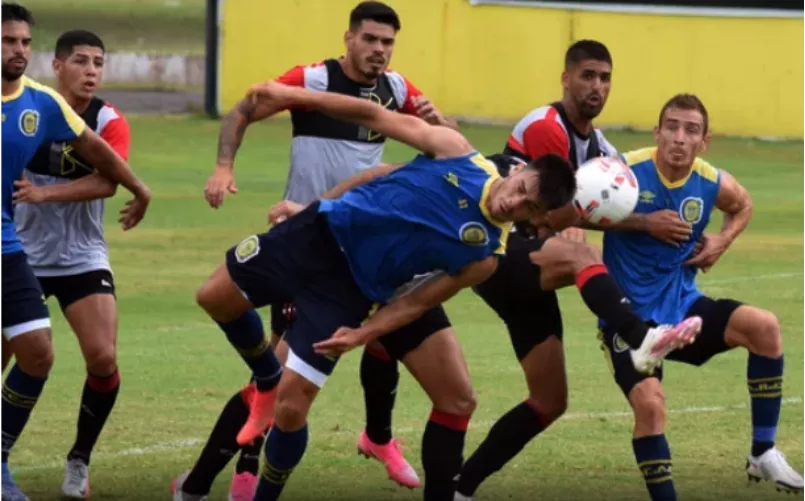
(75, 122)
(700, 167)
(704, 169)
(638, 156)
(504, 227)
(17, 93)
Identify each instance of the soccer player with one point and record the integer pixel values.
(34, 115)
(59, 220)
(324, 151)
(659, 279)
(445, 211)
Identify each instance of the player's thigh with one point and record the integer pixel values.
(222, 298)
(408, 338)
(754, 328)
(25, 316)
(711, 341)
(439, 366)
(618, 358)
(560, 260)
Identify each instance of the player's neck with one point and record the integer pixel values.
(10, 87)
(671, 173)
(353, 74)
(78, 104)
(583, 125)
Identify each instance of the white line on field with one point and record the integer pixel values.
(175, 445)
(749, 278)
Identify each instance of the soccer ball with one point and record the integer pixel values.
(606, 190)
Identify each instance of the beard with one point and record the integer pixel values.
(10, 74)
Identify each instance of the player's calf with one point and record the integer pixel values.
(651, 450)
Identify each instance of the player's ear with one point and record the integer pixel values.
(565, 80)
(705, 143)
(57, 64)
(656, 133)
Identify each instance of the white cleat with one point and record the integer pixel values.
(772, 465)
(662, 340)
(76, 479)
(177, 494)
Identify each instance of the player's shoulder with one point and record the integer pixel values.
(642, 156)
(41, 92)
(544, 115)
(705, 170)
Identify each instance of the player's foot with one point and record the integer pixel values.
(662, 340)
(391, 455)
(76, 479)
(242, 487)
(10, 490)
(179, 495)
(772, 465)
(261, 412)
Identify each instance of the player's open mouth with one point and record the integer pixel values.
(89, 86)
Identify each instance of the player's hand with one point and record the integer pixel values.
(282, 211)
(344, 340)
(221, 182)
(711, 247)
(134, 211)
(574, 235)
(27, 192)
(666, 225)
(427, 111)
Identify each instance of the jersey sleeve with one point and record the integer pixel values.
(408, 107)
(545, 136)
(60, 121)
(294, 77)
(117, 134)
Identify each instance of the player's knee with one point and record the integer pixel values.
(290, 414)
(585, 255)
(102, 361)
(34, 353)
(460, 403)
(765, 338)
(648, 401)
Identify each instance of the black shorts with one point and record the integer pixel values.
(24, 308)
(71, 288)
(531, 314)
(299, 261)
(715, 314)
(408, 338)
(281, 316)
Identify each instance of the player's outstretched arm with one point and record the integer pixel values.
(408, 307)
(110, 165)
(92, 187)
(433, 140)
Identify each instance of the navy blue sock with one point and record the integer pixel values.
(654, 460)
(283, 451)
(248, 337)
(20, 393)
(764, 376)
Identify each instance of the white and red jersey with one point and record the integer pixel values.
(544, 131)
(66, 238)
(325, 151)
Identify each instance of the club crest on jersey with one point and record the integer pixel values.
(691, 210)
(29, 122)
(247, 249)
(473, 233)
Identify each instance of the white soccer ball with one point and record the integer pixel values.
(607, 190)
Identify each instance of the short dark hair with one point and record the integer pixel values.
(69, 40)
(584, 50)
(557, 181)
(373, 11)
(686, 102)
(16, 12)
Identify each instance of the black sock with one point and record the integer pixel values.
(283, 451)
(246, 335)
(442, 454)
(605, 299)
(97, 401)
(654, 460)
(20, 393)
(506, 439)
(379, 378)
(249, 460)
(220, 447)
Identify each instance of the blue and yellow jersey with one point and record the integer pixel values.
(651, 272)
(429, 215)
(34, 115)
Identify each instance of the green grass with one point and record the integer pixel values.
(178, 369)
(151, 26)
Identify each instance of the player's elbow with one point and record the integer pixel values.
(107, 189)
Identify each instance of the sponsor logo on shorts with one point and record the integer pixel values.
(247, 249)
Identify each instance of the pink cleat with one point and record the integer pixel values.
(243, 486)
(261, 413)
(391, 455)
(662, 340)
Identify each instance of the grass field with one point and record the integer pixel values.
(153, 26)
(178, 369)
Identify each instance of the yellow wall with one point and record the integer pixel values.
(499, 62)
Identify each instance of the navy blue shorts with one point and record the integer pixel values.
(715, 314)
(299, 261)
(24, 308)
